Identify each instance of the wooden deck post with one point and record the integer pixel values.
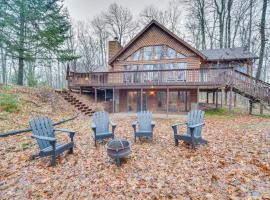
(198, 95)
(221, 97)
(186, 103)
(167, 104)
(105, 94)
(113, 101)
(226, 98)
(261, 109)
(214, 97)
(250, 107)
(230, 99)
(234, 101)
(95, 95)
(217, 99)
(207, 97)
(141, 99)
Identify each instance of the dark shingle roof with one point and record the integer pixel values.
(239, 53)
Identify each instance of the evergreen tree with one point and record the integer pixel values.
(33, 29)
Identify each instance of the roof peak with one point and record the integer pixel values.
(159, 25)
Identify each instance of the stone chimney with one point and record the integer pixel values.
(114, 47)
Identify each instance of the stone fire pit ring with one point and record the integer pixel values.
(117, 149)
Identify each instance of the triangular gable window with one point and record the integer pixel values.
(157, 52)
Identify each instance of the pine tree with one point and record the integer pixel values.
(33, 29)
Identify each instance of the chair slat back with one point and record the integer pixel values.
(42, 126)
(195, 117)
(101, 120)
(144, 119)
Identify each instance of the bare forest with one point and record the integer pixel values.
(31, 55)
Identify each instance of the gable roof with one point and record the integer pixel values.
(152, 23)
(239, 53)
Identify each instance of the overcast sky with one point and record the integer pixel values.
(83, 9)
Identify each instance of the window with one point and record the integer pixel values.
(127, 75)
(147, 53)
(137, 55)
(171, 53)
(181, 74)
(159, 52)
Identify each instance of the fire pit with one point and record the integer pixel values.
(117, 149)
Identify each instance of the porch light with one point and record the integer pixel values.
(152, 92)
(86, 78)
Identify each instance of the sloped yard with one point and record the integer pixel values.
(235, 163)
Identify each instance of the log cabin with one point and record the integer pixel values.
(160, 72)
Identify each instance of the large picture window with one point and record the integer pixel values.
(157, 52)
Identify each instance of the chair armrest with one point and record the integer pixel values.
(174, 127)
(196, 125)
(65, 130)
(179, 124)
(50, 139)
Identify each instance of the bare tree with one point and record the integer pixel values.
(263, 39)
(220, 9)
(100, 30)
(119, 21)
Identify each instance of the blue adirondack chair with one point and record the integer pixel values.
(145, 125)
(44, 132)
(100, 126)
(195, 122)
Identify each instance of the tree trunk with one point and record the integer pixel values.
(21, 46)
(4, 67)
(262, 33)
(250, 23)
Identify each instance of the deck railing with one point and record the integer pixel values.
(207, 76)
(249, 85)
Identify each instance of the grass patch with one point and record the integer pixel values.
(218, 112)
(8, 102)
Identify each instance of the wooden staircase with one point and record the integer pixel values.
(256, 91)
(73, 100)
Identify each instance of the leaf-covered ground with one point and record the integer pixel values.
(234, 165)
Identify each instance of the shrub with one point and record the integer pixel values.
(8, 102)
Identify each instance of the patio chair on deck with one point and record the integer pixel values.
(195, 122)
(145, 125)
(100, 126)
(44, 132)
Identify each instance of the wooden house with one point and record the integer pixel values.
(160, 72)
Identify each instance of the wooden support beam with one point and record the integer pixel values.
(250, 107)
(261, 109)
(167, 104)
(207, 97)
(221, 97)
(141, 99)
(113, 101)
(95, 95)
(105, 94)
(186, 101)
(235, 98)
(230, 99)
(226, 98)
(198, 96)
(214, 97)
(217, 99)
